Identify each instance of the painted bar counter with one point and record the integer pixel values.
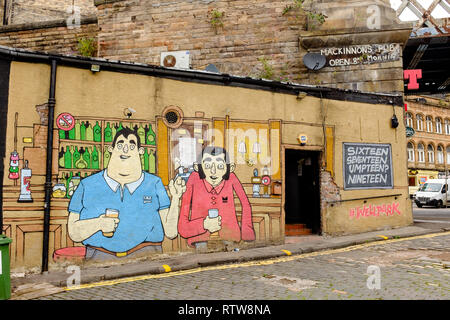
(147, 160)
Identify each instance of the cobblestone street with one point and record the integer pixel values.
(416, 268)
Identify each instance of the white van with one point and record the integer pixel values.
(434, 192)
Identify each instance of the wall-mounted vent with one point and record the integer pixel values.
(176, 59)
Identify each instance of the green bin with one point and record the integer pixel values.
(5, 280)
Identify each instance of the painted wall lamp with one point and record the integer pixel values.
(256, 148)
(242, 148)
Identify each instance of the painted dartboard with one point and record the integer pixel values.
(266, 180)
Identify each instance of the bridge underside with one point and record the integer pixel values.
(429, 49)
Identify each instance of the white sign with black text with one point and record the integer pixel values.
(361, 54)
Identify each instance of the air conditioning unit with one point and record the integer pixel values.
(176, 59)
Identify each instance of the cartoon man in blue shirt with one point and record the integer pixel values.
(145, 212)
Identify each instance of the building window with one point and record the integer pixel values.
(410, 152)
(447, 126)
(439, 125)
(421, 153)
(409, 120)
(448, 155)
(429, 121)
(430, 151)
(440, 155)
(419, 119)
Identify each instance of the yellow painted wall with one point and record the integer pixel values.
(106, 94)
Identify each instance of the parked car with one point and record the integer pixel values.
(434, 192)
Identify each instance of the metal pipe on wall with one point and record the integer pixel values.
(5, 12)
(5, 66)
(49, 165)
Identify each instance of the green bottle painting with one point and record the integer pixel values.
(146, 160)
(75, 156)
(72, 134)
(61, 158)
(68, 158)
(108, 133)
(152, 162)
(89, 132)
(77, 130)
(83, 131)
(113, 130)
(81, 162)
(141, 134)
(106, 157)
(95, 159)
(69, 178)
(87, 158)
(151, 136)
(62, 134)
(97, 132)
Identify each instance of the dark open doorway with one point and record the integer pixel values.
(302, 192)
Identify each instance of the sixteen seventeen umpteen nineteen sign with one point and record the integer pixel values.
(367, 166)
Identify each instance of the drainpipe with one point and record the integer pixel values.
(324, 129)
(49, 165)
(5, 14)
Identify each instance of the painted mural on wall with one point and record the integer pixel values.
(120, 207)
(386, 209)
(115, 199)
(208, 209)
(123, 209)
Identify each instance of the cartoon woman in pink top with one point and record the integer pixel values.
(210, 189)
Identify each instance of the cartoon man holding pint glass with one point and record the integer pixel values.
(207, 208)
(123, 211)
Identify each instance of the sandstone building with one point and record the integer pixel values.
(429, 148)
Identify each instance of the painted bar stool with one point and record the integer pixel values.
(69, 254)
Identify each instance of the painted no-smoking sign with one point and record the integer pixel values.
(65, 121)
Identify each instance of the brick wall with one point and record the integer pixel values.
(53, 37)
(140, 30)
(256, 38)
(26, 11)
(2, 6)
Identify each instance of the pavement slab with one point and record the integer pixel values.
(58, 279)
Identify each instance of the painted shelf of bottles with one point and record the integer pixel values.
(84, 149)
